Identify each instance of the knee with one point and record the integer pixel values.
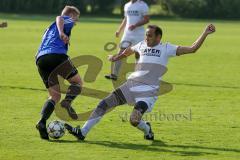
(134, 122)
(141, 106)
(76, 80)
(75, 89)
(135, 118)
(138, 111)
(56, 97)
(103, 105)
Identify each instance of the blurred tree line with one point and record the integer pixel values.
(203, 8)
(182, 8)
(55, 6)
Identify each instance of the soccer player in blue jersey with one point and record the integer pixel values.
(52, 60)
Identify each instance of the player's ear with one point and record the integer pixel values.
(159, 37)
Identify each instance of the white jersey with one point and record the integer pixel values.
(134, 12)
(144, 83)
(152, 62)
(158, 54)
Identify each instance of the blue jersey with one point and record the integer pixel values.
(51, 42)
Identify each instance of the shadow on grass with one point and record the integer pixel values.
(206, 85)
(23, 88)
(175, 83)
(156, 146)
(160, 146)
(160, 143)
(63, 141)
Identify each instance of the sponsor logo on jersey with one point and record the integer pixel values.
(133, 13)
(152, 52)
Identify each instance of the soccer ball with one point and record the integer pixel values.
(56, 129)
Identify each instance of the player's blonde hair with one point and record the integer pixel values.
(70, 9)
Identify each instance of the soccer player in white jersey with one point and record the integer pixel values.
(142, 86)
(135, 17)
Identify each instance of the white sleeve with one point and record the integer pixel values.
(171, 49)
(136, 48)
(125, 10)
(144, 9)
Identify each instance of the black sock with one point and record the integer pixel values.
(47, 110)
(73, 91)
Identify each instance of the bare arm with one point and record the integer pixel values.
(142, 22)
(127, 52)
(60, 26)
(198, 43)
(121, 27)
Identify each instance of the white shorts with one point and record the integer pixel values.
(128, 41)
(149, 100)
(135, 92)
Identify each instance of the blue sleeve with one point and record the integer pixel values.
(67, 20)
(68, 24)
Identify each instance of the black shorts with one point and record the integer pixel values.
(52, 65)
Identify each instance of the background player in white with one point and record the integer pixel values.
(135, 17)
(145, 79)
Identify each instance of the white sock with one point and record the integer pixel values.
(143, 127)
(88, 125)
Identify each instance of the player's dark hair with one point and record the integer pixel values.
(158, 30)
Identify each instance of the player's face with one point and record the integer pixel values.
(151, 38)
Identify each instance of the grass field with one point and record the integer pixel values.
(206, 89)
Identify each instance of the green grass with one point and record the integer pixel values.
(206, 83)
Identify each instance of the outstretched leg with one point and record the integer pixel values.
(107, 104)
